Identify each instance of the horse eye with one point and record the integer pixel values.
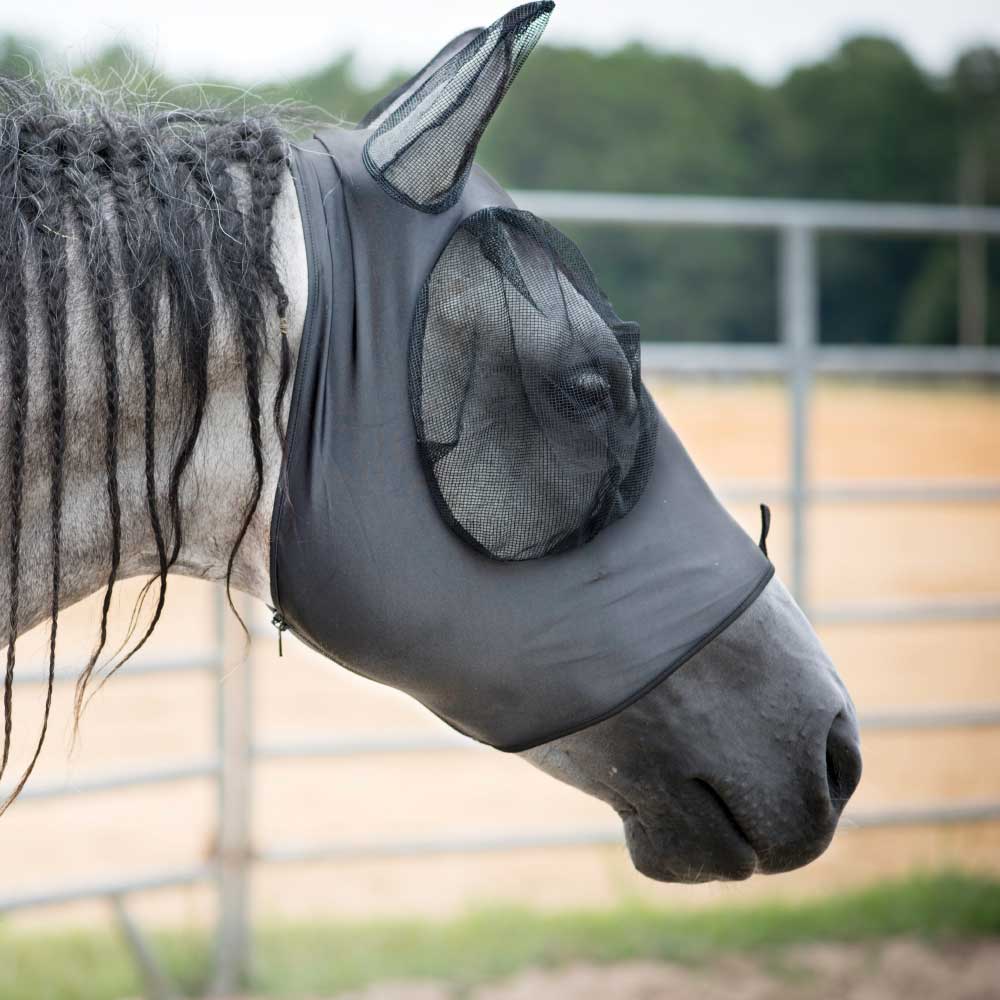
(579, 393)
(590, 389)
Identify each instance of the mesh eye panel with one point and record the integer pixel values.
(533, 425)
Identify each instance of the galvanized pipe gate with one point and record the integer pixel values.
(798, 357)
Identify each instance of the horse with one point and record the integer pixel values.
(155, 288)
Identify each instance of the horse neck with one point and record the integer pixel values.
(215, 486)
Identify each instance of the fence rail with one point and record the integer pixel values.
(798, 356)
(775, 359)
(761, 213)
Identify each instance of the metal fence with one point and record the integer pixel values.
(797, 356)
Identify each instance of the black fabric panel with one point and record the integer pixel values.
(365, 569)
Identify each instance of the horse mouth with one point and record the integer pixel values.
(709, 846)
(723, 807)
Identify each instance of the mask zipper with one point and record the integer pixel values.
(282, 626)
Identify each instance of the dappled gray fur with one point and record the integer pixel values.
(131, 239)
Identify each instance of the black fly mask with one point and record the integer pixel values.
(480, 503)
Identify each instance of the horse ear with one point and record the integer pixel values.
(426, 133)
(391, 102)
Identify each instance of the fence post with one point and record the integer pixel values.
(973, 290)
(799, 296)
(234, 721)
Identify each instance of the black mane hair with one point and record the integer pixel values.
(149, 192)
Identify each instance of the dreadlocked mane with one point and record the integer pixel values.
(149, 194)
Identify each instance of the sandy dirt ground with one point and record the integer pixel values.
(736, 433)
(898, 970)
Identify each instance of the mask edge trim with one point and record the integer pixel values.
(752, 596)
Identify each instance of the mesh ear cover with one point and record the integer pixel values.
(533, 426)
(390, 102)
(421, 152)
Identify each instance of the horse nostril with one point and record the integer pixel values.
(843, 761)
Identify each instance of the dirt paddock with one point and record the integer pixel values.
(736, 431)
(898, 970)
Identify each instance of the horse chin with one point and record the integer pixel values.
(660, 854)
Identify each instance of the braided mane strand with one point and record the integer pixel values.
(149, 193)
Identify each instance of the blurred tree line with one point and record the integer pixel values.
(865, 123)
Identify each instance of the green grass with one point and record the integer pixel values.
(317, 959)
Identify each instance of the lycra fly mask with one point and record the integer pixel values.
(480, 504)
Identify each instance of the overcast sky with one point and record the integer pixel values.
(252, 42)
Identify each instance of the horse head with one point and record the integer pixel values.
(477, 501)
(546, 570)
